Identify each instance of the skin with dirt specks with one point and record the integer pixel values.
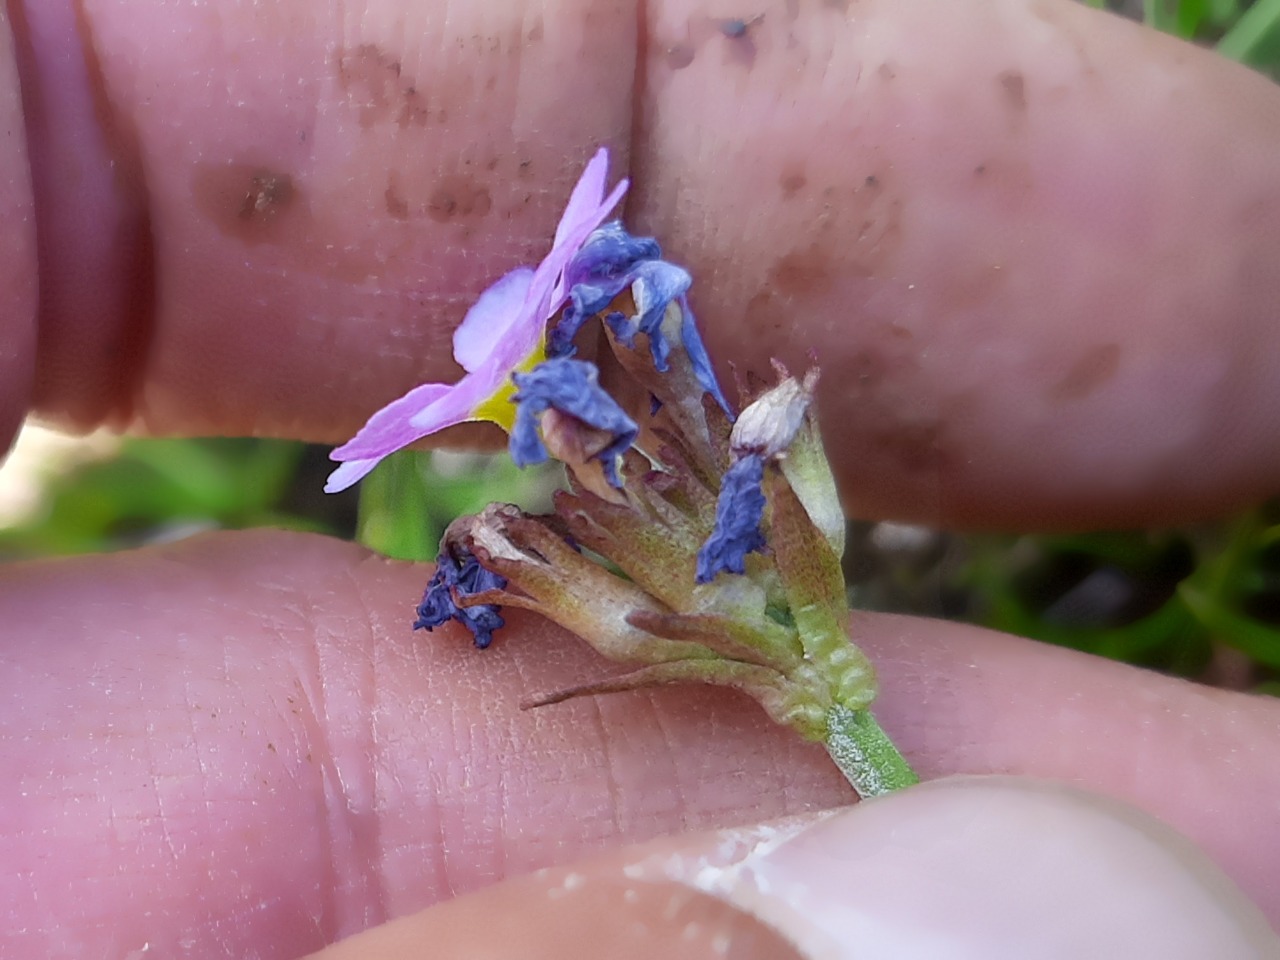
(1030, 244)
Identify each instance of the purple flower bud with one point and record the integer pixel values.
(739, 510)
(570, 387)
(438, 605)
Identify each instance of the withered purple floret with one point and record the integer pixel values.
(739, 511)
(572, 387)
(463, 579)
(600, 271)
(611, 261)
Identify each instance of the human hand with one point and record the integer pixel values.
(234, 745)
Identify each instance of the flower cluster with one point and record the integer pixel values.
(722, 538)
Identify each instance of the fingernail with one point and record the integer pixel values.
(978, 867)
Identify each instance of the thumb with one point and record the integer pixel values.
(973, 867)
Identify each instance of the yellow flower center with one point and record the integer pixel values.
(498, 408)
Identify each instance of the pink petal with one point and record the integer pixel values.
(486, 324)
(586, 195)
(348, 473)
(461, 400)
(389, 429)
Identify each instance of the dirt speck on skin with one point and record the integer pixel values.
(396, 204)
(917, 446)
(1093, 369)
(248, 201)
(458, 197)
(795, 277)
(377, 88)
(268, 195)
(1013, 86)
(803, 271)
(792, 182)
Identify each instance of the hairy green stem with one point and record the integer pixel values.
(865, 754)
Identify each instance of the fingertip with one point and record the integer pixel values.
(1031, 243)
(998, 867)
(595, 909)
(992, 867)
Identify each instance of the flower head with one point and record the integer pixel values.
(503, 332)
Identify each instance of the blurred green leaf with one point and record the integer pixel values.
(409, 500)
(395, 511)
(1255, 37)
(1258, 640)
(157, 488)
(1182, 18)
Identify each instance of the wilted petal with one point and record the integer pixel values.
(587, 209)
(610, 252)
(698, 357)
(739, 510)
(454, 580)
(602, 269)
(571, 387)
(656, 284)
(585, 301)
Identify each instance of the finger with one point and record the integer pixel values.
(1030, 244)
(976, 867)
(994, 224)
(17, 250)
(238, 741)
(299, 184)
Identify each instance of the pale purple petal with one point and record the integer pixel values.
(486, 324)
(348, 473)
(388, 430)
(460, 402)
(586, 195)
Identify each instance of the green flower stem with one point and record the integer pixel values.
(865, 754)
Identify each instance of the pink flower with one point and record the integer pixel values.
(503, 333)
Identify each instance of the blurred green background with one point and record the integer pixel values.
(1202, 603)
